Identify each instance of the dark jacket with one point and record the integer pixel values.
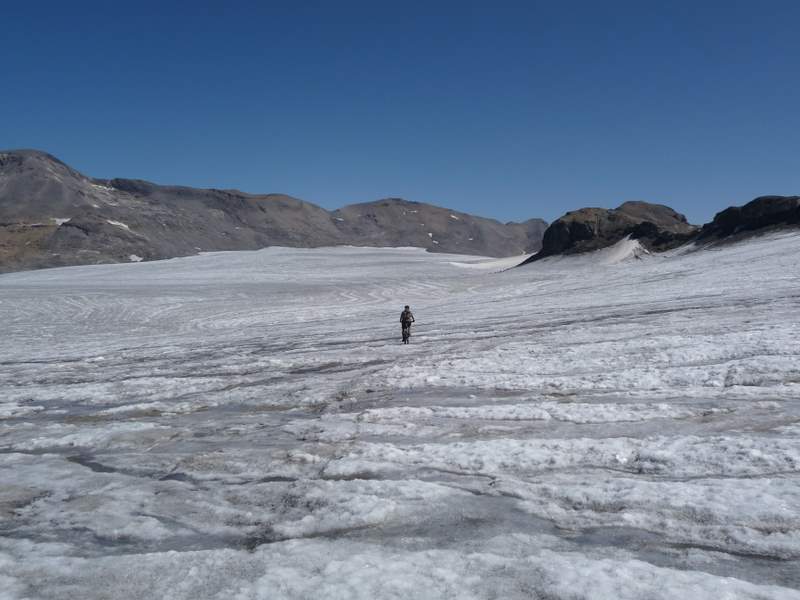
(406, 317)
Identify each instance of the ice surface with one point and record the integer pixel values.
(247, 425)
(492, 264)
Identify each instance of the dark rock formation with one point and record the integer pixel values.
(765, 212)
(657, 227)
(52, 215)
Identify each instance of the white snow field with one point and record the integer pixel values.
(248, 425)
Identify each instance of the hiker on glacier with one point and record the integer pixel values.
(406, 319)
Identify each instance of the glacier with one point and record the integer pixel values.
(248, 425)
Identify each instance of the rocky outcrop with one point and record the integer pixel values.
(52, 215)
(765, 212)
(657, 227)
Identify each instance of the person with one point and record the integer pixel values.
(406, 319)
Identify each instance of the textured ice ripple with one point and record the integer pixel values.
(327, 569)
(670, 457)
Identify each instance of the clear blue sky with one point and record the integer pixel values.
(505, 109)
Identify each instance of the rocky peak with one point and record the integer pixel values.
(763, 212)
(655, 225)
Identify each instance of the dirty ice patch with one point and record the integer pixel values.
(338, 506)
(350, 426)
(69, 496)
(155, 408)
(731, 360)
(571, 576)
(765, 520)
(688, 456)
(319, 568)
(136, 389)
(114, 435)
(563, 411)
(11, 410)
(235, 465)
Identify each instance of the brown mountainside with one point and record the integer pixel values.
(52, 215)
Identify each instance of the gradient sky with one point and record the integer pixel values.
(505, 109)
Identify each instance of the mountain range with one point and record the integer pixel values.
(52, 215)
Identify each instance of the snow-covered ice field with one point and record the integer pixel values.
(248, 425)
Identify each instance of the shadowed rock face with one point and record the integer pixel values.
(52, 215)
(656, 226)
(761, 213)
